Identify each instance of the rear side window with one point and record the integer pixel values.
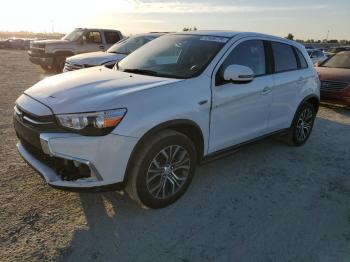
(111, 37)
(249, 53)
(302, 61)
(284, 57)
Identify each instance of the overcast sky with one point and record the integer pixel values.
(304, 19)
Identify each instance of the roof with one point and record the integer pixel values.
(104, 29)
(231, 34)
(219, 33)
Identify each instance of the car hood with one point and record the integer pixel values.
(95, 58)
(334, 74)
(91, 89)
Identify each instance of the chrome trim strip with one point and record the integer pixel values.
(36, 122)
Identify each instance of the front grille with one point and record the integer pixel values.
(71, 67)
(40, 123)
(333, 85)
(35, 50)
(29, 126)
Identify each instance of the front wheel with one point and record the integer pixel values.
(302, 125)
(163, 169)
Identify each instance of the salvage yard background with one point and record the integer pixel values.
(267, 202)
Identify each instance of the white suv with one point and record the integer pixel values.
(175, 102)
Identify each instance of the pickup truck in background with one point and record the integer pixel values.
(51, 54)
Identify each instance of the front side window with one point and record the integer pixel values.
(249, 53)
(284, 57)
(174, 56)
(93, 37)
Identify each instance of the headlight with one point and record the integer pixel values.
(93, 124)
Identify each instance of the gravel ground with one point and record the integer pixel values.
(267, 202)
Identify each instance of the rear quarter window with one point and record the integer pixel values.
(284, 57)
(302, 60)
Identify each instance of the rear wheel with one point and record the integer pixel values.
(163, 169)
(302, 125)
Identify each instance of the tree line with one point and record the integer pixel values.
(312, 41)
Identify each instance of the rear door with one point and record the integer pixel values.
(240, 110)
(289, 80)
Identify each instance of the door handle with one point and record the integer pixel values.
(266, 90)
(102, 47)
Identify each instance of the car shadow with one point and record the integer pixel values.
(258, 204)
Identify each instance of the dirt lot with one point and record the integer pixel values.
(267, 202)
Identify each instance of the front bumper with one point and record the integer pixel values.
(40, 58)
(106, 157)
(42, 61)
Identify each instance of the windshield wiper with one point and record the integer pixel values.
(141, 71)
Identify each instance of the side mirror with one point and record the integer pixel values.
(238, 74)
(317, 64)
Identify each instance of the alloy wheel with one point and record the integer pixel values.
(168, 172)
(304, 124)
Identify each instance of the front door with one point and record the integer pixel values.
(240, 111)
(93, 42)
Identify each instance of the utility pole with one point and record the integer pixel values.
(327, 35)
(52, 29)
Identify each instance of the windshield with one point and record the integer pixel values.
(174, 56)
(129, 45)
(74, 35)
(338, 61)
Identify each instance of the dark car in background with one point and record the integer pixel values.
(335, 78)
(334, 50)
(15, 43)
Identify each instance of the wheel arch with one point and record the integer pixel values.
(313, 99)
(184, 126)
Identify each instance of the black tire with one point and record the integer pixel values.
(139, 189)
(59, 62)
(303, 121)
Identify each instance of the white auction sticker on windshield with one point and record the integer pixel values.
(214, 39)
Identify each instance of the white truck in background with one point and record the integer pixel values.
(51, 54)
